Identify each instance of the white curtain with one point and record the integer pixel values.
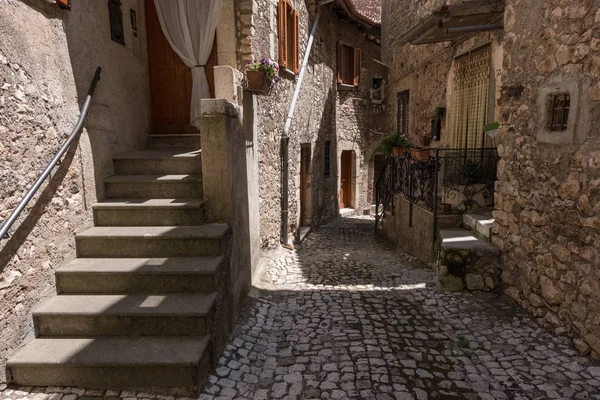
(189, 26)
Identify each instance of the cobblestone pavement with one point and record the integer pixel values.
(345, 316)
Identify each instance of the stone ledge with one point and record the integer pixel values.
(219, 107)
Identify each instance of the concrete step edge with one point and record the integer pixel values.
(130, 305)
(106, 266)
(206, 231)
(129, 204)
(109, 351)
(156, 154)
(185, 178)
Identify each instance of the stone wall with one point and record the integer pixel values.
(425, 70)
(548, 194)
(47, 60)
(322, 114)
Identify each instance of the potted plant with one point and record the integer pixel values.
(426, 140)
(261, 75)
(396, 144)
(420, 154)
(491, 129)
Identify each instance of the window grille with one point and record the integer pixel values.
(558, 112)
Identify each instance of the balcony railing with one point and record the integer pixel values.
(449, 181)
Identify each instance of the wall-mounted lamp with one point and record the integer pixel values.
(64, 4)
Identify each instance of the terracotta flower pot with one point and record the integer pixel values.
(256, 79)
(445, 208)
(399, 151)
(420, 154)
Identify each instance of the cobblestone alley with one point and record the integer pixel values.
(347, 317)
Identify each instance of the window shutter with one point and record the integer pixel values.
(357, 65)
(296, 41)
(282, 27)
(340, 67)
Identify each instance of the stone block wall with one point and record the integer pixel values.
(322, 114)
(425, 70)
(548, 194)
(47, 59)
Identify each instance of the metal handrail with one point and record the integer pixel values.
(55, 160)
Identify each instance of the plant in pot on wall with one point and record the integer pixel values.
(396, 144)
(422, 153)
(261, 75)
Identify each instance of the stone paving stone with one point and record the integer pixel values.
(346, 316)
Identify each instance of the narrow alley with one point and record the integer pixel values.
(346, 316)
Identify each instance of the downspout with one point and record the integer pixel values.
(285, 137)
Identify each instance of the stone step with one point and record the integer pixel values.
(467, 261)
(162, 142)
(111, 362)
(149, 212)
(152, 241)
(479, 223)
(153, 186)
(159, 162)
(173, 314)
(139, 275)
(463, 239)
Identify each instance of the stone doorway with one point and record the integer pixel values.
(305, 186)
(346, 179)
(170, 81)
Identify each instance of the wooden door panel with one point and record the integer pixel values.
(170, 80)
(346, 179)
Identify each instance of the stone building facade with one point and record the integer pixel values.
(47, 59)
(347, 118)
(548, 197)
(427, 70)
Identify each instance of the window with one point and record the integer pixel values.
(470, 100)
(558, 106)
(403, 104)
(288, 31)
(348, 64)
(327, 159)
(115, 16)
(377, 89)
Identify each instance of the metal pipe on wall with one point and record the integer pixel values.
(285, 137)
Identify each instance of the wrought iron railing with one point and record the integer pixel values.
(447, 181)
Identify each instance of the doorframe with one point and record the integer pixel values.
(345, 145)
(210, 75)
(305, 201)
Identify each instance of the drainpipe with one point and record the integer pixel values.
(285, 137)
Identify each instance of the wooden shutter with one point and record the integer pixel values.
(296, 42)
(357, 65)
(282, 34)
(340, 67)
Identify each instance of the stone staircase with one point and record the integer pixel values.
(137, 307)
(467, 258)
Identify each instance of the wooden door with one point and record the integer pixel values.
(305, 186)
(346, 179)
(170, 80)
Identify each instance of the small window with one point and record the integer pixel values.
(403, 104)
(377, 89)
(327, 159)
(115, 16)
(288, 32)
(349, 61)
(558, 112)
